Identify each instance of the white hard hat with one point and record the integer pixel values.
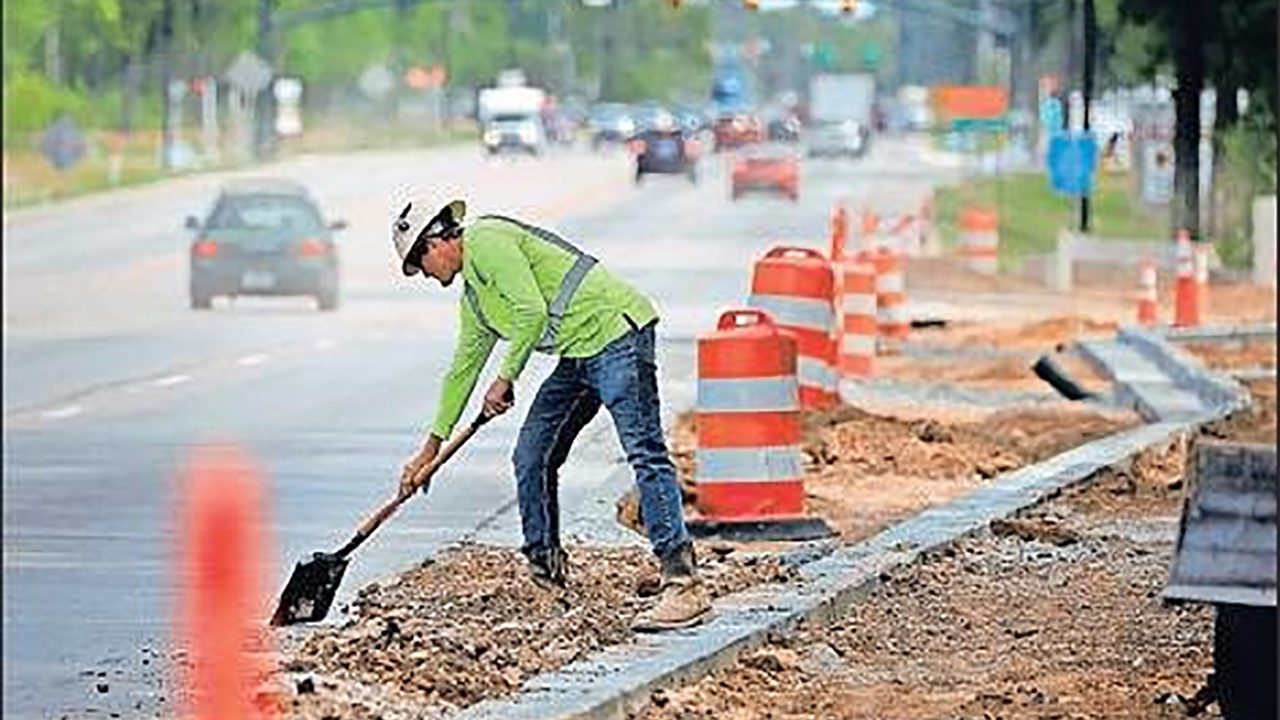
(416, 224)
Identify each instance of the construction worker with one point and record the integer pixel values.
(530, 287)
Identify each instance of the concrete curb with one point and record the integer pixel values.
(1159, 380)
(1220, 395)
(607, 684)
(1252, 373)
(622, 677)
(1219, 332)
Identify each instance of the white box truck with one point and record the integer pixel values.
(510, 118)
(840, 109)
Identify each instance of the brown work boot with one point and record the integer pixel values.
(548, 569)
(684, 601)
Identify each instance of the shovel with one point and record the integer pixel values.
(314, 583)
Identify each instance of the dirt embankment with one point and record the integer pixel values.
(996, 373)
(1255, 424)
(1043, 335)
(1234, 355)
(865, 471)
(1053, 614)
(472, 625)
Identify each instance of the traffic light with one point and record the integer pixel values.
(752, 5)
(848, 7)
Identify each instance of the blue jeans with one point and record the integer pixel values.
(623, 378)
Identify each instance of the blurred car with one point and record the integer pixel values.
(651, 116)
(784, 128)
(610, 123)
(691, 120)
(264, 237)
(666, 150)
(774, 171)
(848, 138)
(736, 130)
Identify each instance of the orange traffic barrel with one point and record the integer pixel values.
(1147, 297)
(796, 286)
(891, 295)
(979, 239)
(1186, 306)
(858, 325)
(748, 469)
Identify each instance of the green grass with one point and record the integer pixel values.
(1031, 213)
(30, 180)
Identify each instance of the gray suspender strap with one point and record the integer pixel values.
(559, 305)
(474, 302)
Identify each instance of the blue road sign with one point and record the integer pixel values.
(1072, 163)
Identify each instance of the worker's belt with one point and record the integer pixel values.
(582, 264)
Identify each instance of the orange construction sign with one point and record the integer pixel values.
(969, 101)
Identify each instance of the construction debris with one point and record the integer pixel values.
(472, 625)
(1015, 624)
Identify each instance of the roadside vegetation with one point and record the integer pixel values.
(1031, 213)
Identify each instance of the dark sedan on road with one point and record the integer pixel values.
(667, 151)
(264, 237)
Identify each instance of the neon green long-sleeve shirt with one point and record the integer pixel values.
(515, 275)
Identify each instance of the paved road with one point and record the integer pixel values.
(109, 380)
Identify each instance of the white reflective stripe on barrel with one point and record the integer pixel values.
(858, 345)
(794, 311)
(894, 313)
(1202, 265)
(815, 373)
(758, 464)
(765, 394)
(890, 282)
(860, 304)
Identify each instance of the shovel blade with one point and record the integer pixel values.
(310, 590)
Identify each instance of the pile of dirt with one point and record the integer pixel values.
(471, 625)
(1057, 614)
(865, 471)
(1234, 355)
(1241, 302)
(1044, 334)
(948, 274)
(1255, 424)
(1009, 373)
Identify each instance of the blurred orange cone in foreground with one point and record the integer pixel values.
(220, 589)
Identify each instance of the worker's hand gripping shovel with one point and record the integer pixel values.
(314, 583)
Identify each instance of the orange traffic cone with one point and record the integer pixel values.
(1186, 308)
(221, 611)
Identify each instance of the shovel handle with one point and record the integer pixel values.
(379, 516)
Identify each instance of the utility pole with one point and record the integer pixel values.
(265, 128)
(608, 84)
(166, 79)
(1090, 46)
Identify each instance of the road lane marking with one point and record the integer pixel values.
(62, 413)
(171, 380)
(252, 360)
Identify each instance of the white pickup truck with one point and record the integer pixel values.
(510, 119)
